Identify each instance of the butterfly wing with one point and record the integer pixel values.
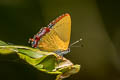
(59, 36)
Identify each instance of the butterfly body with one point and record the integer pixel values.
(55, 37)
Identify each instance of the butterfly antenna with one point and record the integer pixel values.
(76, 42)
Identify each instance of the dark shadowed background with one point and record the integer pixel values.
(96, 21)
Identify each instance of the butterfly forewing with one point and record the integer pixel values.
(59, 36)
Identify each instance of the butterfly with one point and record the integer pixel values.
(55, 37)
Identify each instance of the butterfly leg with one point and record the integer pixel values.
(61, 53)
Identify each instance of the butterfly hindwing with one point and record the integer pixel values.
(59, 36)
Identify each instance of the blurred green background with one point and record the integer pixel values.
(96, 21)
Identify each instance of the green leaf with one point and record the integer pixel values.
(48, 62)
(2, 43)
